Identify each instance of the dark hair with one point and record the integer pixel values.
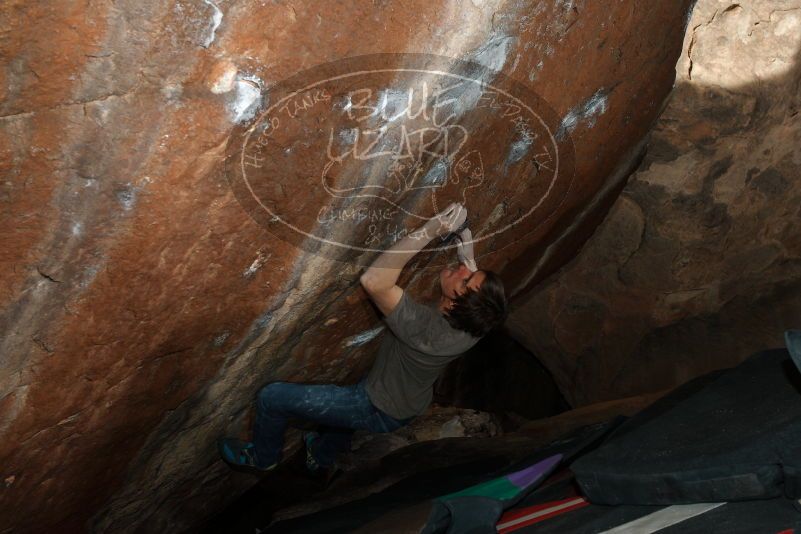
(478, 312)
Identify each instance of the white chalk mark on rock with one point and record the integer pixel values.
(587, 112)
(247, 99)
(258, 263)
(216, 20)
(348, 137)
(220, 339)
(493, 53)
(364, 337)
(393, 104)
(437, 175)
(520, 147)
(126, 197)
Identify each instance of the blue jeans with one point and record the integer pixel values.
(340, 410)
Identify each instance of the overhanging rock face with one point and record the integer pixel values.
(144, 302)
(697, 264)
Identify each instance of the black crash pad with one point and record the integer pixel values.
(730, 436)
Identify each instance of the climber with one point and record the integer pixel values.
(420, 342)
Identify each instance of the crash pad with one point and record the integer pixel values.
(478, 508)
(730, 436)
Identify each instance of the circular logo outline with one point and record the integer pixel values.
(480, 83)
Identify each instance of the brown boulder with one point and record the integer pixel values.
(697, 264)
(142, 307)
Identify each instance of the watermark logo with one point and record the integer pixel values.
(346, 158)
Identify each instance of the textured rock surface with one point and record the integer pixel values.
(439, 422)
(141, 307)
(698, 264)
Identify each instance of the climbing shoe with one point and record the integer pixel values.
(323, 475)
(311, 463)
(241, 456)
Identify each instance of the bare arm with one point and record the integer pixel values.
(380, 279)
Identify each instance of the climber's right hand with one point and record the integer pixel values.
(448, 220)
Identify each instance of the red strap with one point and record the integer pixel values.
(516, 519)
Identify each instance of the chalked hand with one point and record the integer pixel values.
(448, 220)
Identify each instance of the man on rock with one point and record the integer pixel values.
(420, 342)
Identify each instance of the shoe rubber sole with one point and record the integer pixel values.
(242, 468)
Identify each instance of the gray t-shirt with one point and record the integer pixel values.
(414, 350)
